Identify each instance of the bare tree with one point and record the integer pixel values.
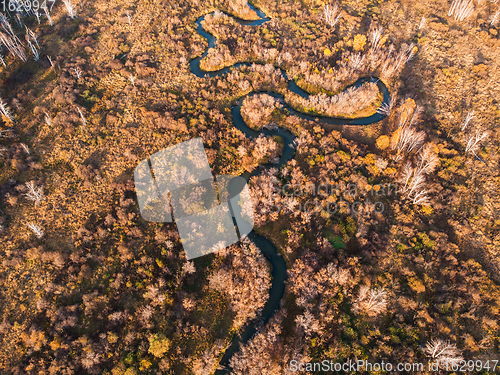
(132, 79)
(47, 14)
(70, 8)
(31, 36)
(417, 182)
(5, 110)
(308, 323)
(423, 22)
(90, 360)
(47, 119)
(52, 66)
(243, 280)
(409, 140)
(129, 18)
(370, 301)
(26, 148)
(406, 176)
(474, 141)
(461, 9)
(405, 55)
(375, 37)
(2, 61)
(34, 194)
(36, 229)
(468, 119)
(356, 61)
(82, 117)
(35, 51)
(188, 268)
(420, 197)
(427, 159)
(208, 361)
(19, 20)
(78, 72)
(7, 133)
(338, 275)
(260, 354)
(443, 353)
(6, 25)
(495, 18)
(13, 44)
(386, 108)
(331, 14)
(413, 179)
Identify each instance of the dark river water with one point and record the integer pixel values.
(266, 247)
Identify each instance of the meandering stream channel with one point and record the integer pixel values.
(278, 264)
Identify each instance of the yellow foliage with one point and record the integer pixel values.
(158, 345)
(410, 102)
(434, 147)
(343, 156)
(407, 110)
(427, 210)
(112, 337)
(383, 142)
(416, 285)
(327, 52)
(5, 119)
(55, 344)
(145, 364)
(119, 369)
(395, 137)
(359, 42)
(370, 159)
(35, 340)
(390, 171)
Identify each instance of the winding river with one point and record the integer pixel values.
(267, 248)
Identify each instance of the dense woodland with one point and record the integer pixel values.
(88, 91)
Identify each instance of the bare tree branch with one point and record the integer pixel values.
(461, 9)
(370, 301)
(34, 194)
(495, 18)
(5, 110)
(468, 119)
(37, 230)
(70, 8)
(423, 22)
(443, 353)
(474, 141)
(331, 14)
